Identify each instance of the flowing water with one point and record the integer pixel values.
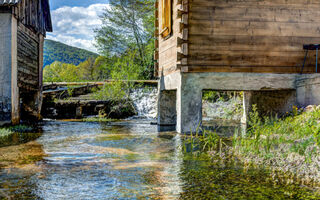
(125, 160)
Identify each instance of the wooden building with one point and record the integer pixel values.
(229, 45)
(264, 36)
(23, 26)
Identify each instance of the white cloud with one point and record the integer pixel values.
(74, 25)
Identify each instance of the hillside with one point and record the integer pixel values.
(57, 51)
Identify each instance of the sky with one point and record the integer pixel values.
(74, 21)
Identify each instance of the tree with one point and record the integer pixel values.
(60, 72)
(128, 26)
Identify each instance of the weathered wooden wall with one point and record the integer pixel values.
(167, 48)
(263, 36)
(28, 59)
(252, 35)
(34, 14)
(5, 67)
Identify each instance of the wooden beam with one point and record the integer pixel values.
(181, 41)
(181, 12)
(180, 56)
(40, 67)
(182, 26)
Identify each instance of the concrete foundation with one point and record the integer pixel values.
(5, 68)
(167, 115)
(272, 93)
(308, 90)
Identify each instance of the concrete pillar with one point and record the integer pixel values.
(247, 105)
(189, 109)
(167, 113)
(6, 67)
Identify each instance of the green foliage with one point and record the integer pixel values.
(61, 72)
(56, 51)
(126, 42)
(214, 96)
(198, 144)
(128, 28)
(299, 131)
(123, 69)
(5, 132)
(89, 70)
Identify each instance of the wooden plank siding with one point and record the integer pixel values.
(28, 59)
(168, 46)
(252, 35)
(34, 14)
(263, 36)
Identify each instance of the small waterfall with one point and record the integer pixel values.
(145, 101)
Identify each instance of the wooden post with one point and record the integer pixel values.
(40, 89)
(15, 102)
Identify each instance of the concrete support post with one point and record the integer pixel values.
(167, 113)
(189, 109)
(247, 104)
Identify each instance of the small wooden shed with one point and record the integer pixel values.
(23, 26)
(262, 36)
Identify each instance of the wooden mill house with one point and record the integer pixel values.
(246, 45)
(23, 26)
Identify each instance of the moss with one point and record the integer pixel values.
(98, 119)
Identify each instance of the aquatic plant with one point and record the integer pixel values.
(291, 143)
(202, 142)
(5, 132)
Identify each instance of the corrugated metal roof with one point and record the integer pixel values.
(8, 2)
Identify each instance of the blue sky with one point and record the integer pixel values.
(74, 21)
(84, 3)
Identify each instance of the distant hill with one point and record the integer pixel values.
(57, 51)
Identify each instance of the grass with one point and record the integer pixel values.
(288, 146)
(203, 141)
(5, 131)
(299, 132)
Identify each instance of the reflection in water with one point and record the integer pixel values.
(125, 160)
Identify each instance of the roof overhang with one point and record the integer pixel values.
(9, 2)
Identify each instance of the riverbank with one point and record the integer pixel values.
(290, 147)
(13, 135)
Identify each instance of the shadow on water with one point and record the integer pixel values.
(126, 160)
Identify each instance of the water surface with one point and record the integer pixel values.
(126, 160)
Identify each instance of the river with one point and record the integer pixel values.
(126, 160)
